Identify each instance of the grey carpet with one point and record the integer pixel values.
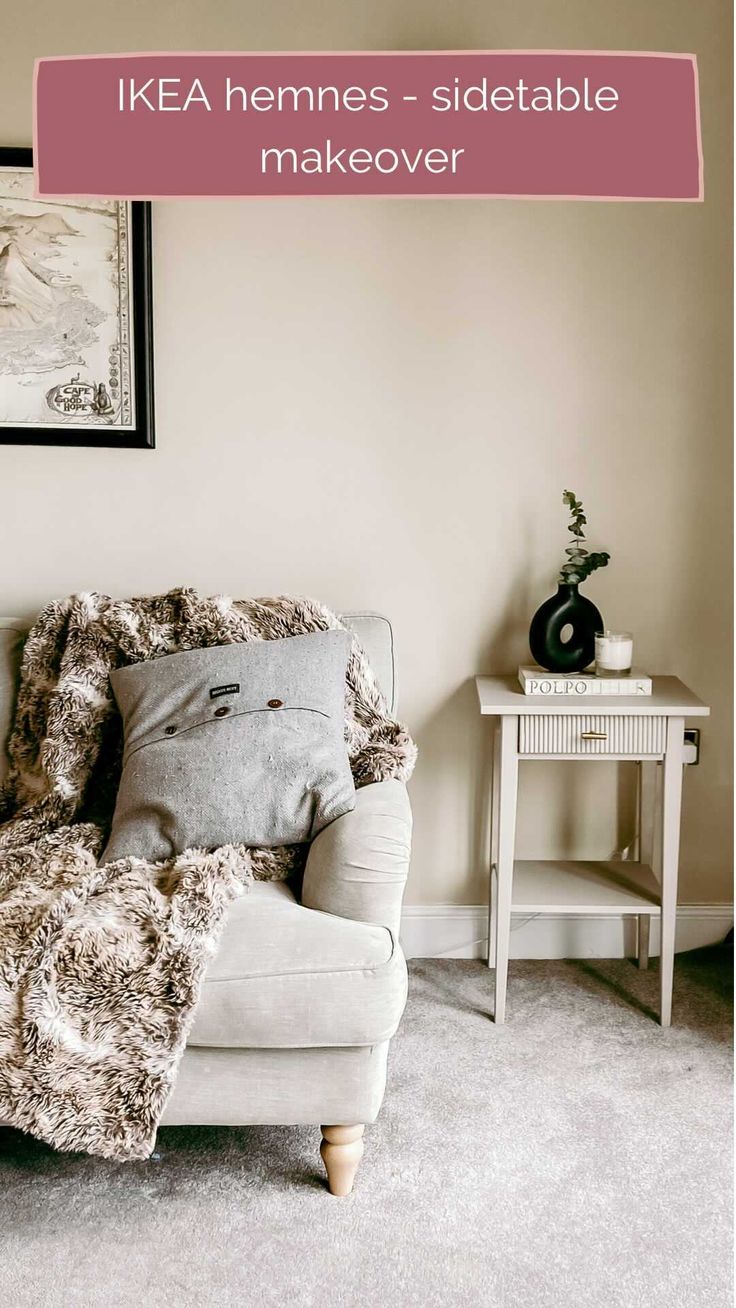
(579, 1156)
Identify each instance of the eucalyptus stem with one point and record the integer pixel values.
(580, 562)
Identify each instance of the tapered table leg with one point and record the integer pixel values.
(495, 790)
(642, 941)
(671, 809)
(507, 795)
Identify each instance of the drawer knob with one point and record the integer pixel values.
(594, 735)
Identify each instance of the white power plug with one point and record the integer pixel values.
(691, 750)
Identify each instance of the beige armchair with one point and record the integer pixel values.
(306, 990)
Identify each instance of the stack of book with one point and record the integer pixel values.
(535, 681)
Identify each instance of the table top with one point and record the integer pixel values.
(501, 696)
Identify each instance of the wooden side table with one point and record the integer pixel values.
(641, 729)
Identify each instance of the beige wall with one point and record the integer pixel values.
(380, 402)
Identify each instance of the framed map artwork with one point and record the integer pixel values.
(76, 334)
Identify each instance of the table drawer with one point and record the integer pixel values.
(591, 733)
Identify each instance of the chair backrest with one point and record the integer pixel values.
(376, 635)
(372, 629)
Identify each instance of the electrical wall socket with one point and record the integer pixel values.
(692, 745)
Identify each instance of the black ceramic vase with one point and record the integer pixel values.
(567, 608)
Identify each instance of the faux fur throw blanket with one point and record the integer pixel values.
(100, 967)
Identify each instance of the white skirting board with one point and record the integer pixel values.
(461, 931)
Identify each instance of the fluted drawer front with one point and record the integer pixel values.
(591, 733)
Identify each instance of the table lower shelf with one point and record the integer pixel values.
(559, 886)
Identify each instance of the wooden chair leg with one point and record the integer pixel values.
(341, 1150)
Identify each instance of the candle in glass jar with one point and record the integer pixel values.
(613, 653)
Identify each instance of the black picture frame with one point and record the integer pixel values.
(141, 433)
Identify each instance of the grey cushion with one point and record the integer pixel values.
(240, 744)
(287, 977)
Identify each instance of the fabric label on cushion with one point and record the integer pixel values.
(233, 689)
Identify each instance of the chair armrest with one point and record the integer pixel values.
(358, 865)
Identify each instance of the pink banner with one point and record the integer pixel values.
(587, 125)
